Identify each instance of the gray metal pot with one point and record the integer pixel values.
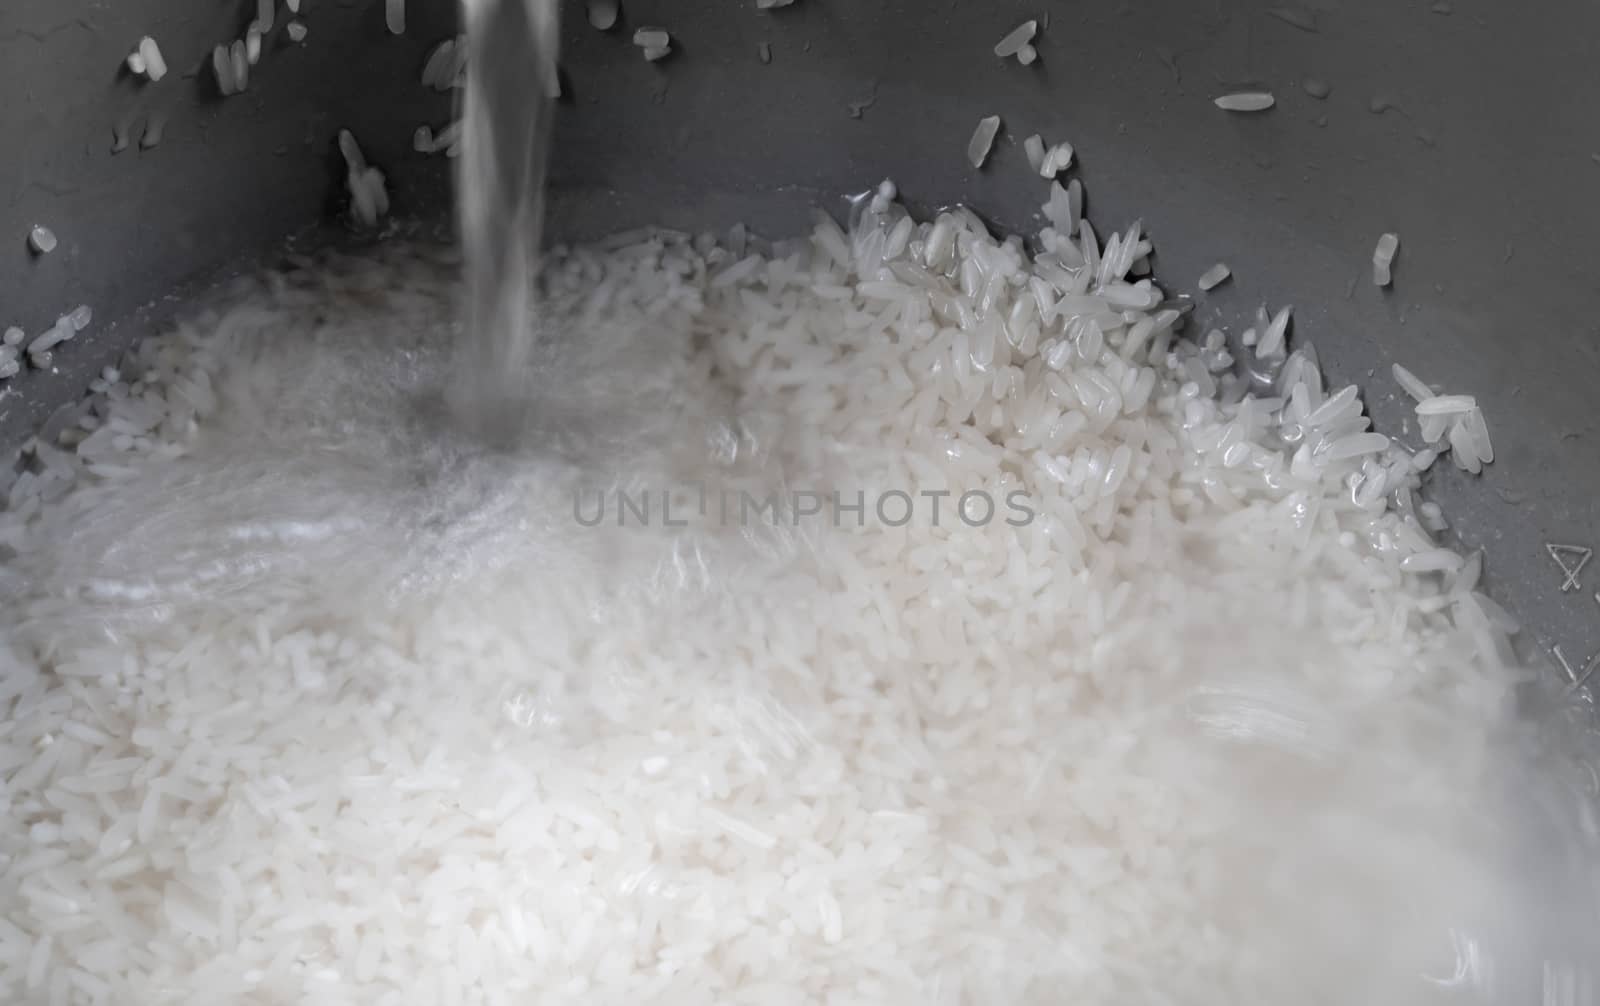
(1465, 126)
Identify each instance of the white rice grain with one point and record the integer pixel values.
(1411, 383)
(1383, 258)
(155, 129)
(439, 68)
(603, 14)
(1355, 445)
(1446, 405)
(222, 68)
(1338, 408)
(1274, 334)
(49, 339)
(1432, 517)
(1463, 451)
(1439, 560)
(354, 160)
(41, 239)
(155, 65)
(1033, 147)
(1477, 429)
(1058, 210)
(1056, 160)
(1015, 39)
(449, 136)
(1244, 101)
(1214, 276)
(982, 140)
(651, 38)
(239, 59)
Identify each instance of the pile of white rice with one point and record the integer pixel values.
(309, 700)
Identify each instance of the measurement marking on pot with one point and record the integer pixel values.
(1562, 555)
(1588, 671)
(1561, 658)
(1578, 679)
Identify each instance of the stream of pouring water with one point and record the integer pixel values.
(506, 118)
